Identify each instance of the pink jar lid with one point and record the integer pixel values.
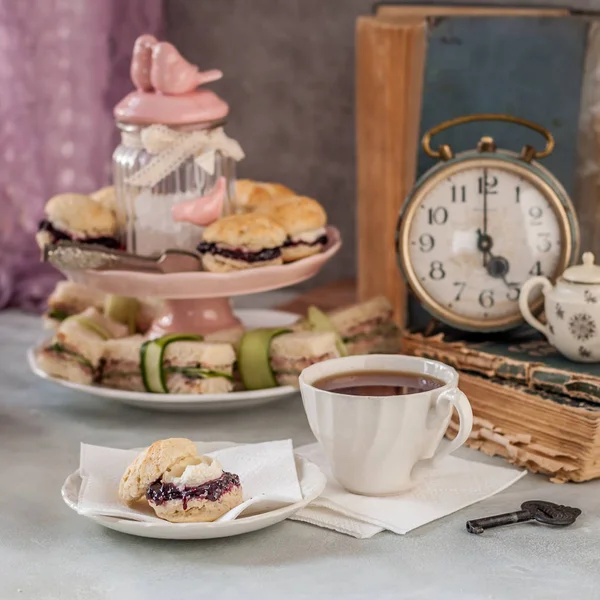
(144, 108)
(166, 88)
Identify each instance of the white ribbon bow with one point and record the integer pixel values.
(171, 149)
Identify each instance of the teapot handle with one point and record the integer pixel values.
(526, 290)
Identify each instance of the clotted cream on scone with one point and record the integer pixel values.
(180, 485)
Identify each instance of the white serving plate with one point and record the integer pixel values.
(312, 483)
(190, 402)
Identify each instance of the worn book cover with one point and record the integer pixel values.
(530, 404)
(542, 432)
(527, 359)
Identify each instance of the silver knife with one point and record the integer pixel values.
(76, 256)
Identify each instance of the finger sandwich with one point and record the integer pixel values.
(185, 367)
(368, 327)
(76, 349)
(241, 242)
(290, 353)
(304, 221)
(70, 298)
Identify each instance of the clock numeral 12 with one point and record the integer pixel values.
(463, 193)
(487, 184)
(518, 193)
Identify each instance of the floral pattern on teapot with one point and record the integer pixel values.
(572, 309)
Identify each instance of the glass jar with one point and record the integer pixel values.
(144, 213)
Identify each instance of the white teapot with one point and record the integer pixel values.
(572, 310)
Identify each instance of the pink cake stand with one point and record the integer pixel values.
(198, 302)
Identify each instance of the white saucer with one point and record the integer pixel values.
(312, 483)
(190, 402)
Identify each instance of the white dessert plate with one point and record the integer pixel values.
(190, 402)
(312, 483)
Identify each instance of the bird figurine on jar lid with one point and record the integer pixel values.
(174, 170)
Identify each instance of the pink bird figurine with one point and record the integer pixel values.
(141, 62)
(203, 210)
(172, 74)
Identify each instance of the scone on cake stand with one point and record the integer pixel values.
(199, 302)
(175, 185)
(175, 188)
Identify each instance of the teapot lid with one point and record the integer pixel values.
(587, 272)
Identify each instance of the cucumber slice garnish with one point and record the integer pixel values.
(91, 326)
(151, 360)
(123, 310)
(253, 358)
(319, 321)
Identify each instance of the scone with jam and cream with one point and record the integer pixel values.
(241, 242)
(180, 485)
(78, 218)
(304, 221)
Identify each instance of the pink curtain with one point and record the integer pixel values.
(63, 65)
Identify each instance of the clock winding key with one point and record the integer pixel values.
(538, 510)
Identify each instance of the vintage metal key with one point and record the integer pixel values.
(538, 510)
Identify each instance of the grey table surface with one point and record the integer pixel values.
(47, 552)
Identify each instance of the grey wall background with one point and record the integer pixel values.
(289, 79)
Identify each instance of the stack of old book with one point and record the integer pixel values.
(531, 406)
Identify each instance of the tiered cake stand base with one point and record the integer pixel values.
(199, 302)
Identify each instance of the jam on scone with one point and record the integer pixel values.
(180, 485)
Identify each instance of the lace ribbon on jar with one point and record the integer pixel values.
(171, 148)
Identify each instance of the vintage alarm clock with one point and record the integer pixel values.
(479, 224)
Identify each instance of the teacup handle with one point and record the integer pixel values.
(465, 416)
(526, 290)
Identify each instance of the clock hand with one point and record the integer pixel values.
(484, 244)
(485, 234)
(498, 267)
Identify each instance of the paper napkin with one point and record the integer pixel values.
(267, 473)
(454, 484)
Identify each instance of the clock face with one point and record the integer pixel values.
(476, 235)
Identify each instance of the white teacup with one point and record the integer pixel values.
(374, 443)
